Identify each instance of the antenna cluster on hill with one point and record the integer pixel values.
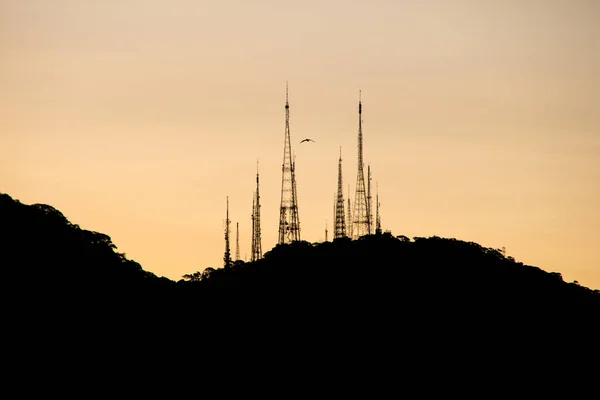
(356, 223)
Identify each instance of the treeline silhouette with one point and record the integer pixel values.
(43, 251)
(380, 293)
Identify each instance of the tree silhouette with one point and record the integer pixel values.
(382, 294)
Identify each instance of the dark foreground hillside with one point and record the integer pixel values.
(380, 296)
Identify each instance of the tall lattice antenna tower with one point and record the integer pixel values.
(227, 256)
(340, 217)
(289, 224)
(378, 215)
(237, 241)
(256, 240)
(361, 208)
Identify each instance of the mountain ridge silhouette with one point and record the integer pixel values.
(380, 295)
(39, 232)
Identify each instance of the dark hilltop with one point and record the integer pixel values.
(375, 296)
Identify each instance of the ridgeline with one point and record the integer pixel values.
(378, 288)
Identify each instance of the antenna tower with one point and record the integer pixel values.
(256, 253)
(362, 223)
(227, 256)
(289, 224)
(340, 222)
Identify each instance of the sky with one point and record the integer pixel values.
(138, 118)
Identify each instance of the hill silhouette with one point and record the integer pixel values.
(52, 255)
(389, 292)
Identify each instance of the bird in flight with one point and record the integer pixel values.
(307, 140)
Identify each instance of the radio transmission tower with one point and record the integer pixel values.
(361, 221)
(256, 253)
(227, 256)
(289, 224)
(340, 223)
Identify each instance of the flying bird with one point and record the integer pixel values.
(307, 140)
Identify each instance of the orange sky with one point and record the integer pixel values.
(137, 118)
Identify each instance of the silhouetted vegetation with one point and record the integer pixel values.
(382, 275)
(389, 286)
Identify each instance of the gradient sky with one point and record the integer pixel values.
(137, 118)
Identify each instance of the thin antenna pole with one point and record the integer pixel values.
(369, 200)
(378, 216)
(237, 241)
(334, 213)
(252, 217)
(349, 217)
